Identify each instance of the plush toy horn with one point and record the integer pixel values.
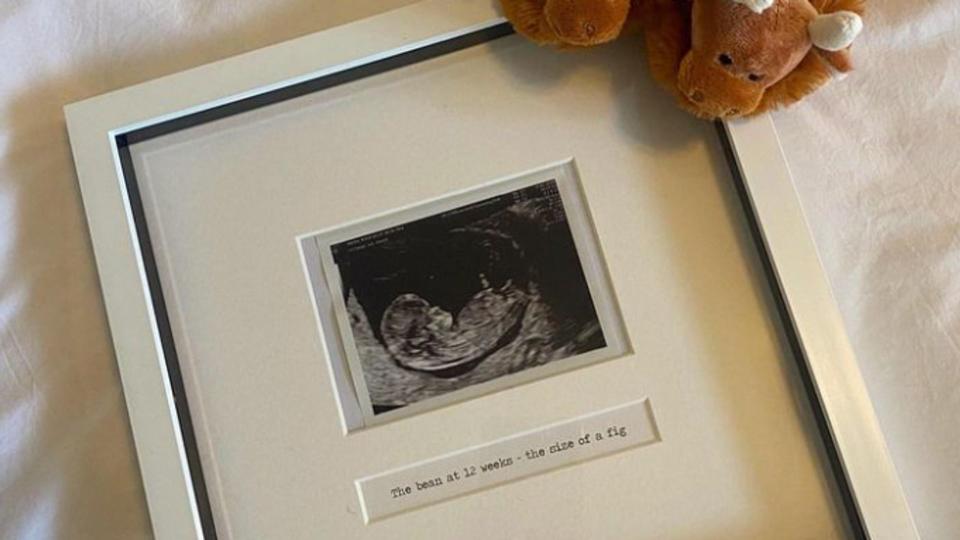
(756, 6)
(835, 31)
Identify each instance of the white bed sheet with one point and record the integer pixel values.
(875, 157)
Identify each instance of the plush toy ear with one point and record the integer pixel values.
(756, 6)
(835, 31)
(840, 61)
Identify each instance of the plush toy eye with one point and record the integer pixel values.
(725, 59)
(755, 77)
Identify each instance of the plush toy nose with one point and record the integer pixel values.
(713, 109)
(712, 92)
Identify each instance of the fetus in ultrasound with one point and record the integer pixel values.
(466, 296)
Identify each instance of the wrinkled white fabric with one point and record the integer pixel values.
(875, 158)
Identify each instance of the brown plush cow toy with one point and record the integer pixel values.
(720, 58)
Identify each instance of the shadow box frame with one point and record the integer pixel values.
(101, 130)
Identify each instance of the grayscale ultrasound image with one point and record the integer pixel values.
(466, 296)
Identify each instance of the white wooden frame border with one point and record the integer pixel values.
(816, 318)
(95, 123)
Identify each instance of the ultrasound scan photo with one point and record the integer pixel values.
(466, 296)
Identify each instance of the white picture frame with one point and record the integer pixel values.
(98, 126)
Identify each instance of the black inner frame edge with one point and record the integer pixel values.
(125, 140)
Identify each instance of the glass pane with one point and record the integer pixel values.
(739, 455)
